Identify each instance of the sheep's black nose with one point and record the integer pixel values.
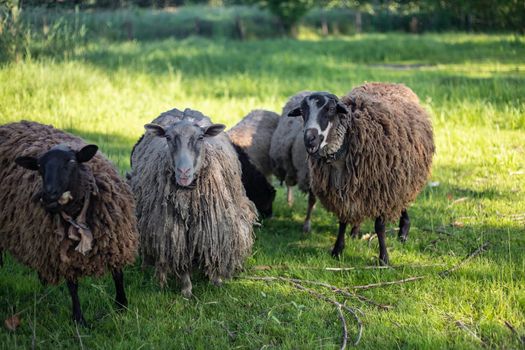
(311, 140)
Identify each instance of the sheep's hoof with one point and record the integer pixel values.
(384, 261)
(402, 238)
(216, 281)
(121, 305)
(79, 320)
(187, 293)
(336, 253)
(307, 227)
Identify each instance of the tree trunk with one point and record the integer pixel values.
(358, 22)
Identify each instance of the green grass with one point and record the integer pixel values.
(474, 87)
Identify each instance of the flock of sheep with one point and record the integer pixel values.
(191, 198)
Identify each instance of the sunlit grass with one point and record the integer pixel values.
(472, 85)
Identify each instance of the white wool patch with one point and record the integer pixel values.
(65, 198)
(313, 121)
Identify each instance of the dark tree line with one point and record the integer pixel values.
(480, 15)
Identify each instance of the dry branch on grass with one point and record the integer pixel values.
(298, 284)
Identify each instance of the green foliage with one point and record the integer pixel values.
(14, 35)
(473, 86)
(289, 12)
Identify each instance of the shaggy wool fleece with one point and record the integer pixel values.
(254, 135)
(209, 226)
(35, 237)
(283, 139)
(389, 141)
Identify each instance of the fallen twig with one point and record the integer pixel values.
(440, 229)
(345, 329)
(467, 259)
(322, 284)
(297, 284)
(79, 337)
(389, 283)
(337, 304)
(337, 269)
(515, 332)
(464, 327)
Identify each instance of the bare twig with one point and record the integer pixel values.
(338, 269)
(440, 229)
(389, 283)
(345, 328)
(469, 257)
(297, 283)
(337, 304)
(322, 284)
(79, 337)
(515, 332)
(464, 327)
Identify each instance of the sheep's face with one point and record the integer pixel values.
(319, 111)
(185, 140)
(58, 168)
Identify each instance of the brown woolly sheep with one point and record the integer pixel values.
(191, 206)
(72, 216)
(370, 154)
(252, 137)
(254, 134)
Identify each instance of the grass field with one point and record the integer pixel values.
(474, 87)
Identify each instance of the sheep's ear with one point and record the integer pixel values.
(295, 112)
(156, 129)
(86, 153)
(341, 108)
(214, 130)
(30, 163)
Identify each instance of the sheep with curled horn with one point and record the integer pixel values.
(66, 212)
(370, 154)
(251, 138)
(192, 209)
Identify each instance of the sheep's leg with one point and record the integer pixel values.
(340, 242)
(77, 312)
(355, 231)
(120, 299)
(186, 284)
(311, 203)
(404, 226)
(381, 236)
(42, 279)
(289, 195)
(216, 280)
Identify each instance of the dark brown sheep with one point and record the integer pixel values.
(64, 227)
(370, 154)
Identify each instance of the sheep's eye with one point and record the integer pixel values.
(168, 138)
(201, 137)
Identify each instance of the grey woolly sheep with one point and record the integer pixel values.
(71, 216)
(370, 154)
(251, 138)
(191, 206)
(289, 157)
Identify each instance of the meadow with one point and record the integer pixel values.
(472, 85)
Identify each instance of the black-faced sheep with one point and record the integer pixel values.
(252, 137)
(370, 154)
(191, 206)
(71, 215)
